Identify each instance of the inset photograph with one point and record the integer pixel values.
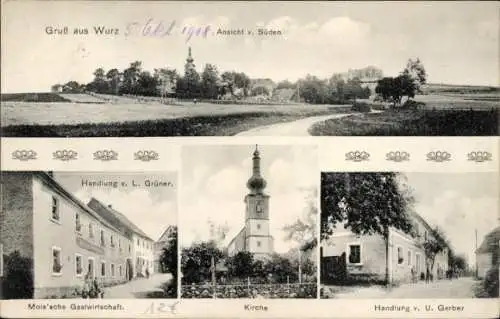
(249, 221)
(88, 235)
(411, 235)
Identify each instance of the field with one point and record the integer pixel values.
(448, 111)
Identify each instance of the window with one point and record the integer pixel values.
(103, 268)
(91, 230)
(258, 243)
(90, 267)
(111, 240)
(409, 257)
(138, 242)
(56, 261)
(400, 256)
(55, 209)
(103, 241)
(112, 270)
(129, 248)
(78, 225)
(258, 226)
(78, 265)
(120, 270)
(120, 244)
(355, 254)
(425, 235)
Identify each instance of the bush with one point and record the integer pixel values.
(412, 105)
(18, 280)
(490, 283)
(361, 107)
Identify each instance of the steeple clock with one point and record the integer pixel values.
(258, 239)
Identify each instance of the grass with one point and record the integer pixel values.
(413, 123)
(216, 125)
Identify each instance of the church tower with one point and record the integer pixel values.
(258, 239)
(189, 66)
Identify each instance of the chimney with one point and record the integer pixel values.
(50, 173)
(110, 206)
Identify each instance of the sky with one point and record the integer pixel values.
(457, 42)
(152, 209)
(214, 181)
(459, 204)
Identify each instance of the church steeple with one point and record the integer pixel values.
(190, 57)
(256, 183)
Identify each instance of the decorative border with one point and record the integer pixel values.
(24, 155)
(397, 156)
(65, 155)
(439, 156)
(146, 155)
(479, 156)
(105, 155)
(357, 156)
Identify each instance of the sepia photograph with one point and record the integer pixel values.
(409, 235)
(249, 221)
(88, 235)
(266, 69)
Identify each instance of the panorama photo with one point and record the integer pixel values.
(227, 68)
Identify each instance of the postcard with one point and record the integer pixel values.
(249, 160)
(147, 69)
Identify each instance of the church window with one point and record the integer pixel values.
(354, 253)
(400, 256)
(55, 209)
(56, 261)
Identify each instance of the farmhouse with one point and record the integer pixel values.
(65, 240)
(488, 252)
(255, 236)
(347, 255)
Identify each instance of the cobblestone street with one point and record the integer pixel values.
(139, 288)
(456, 288)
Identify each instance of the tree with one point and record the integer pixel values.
(191, 84)
(166, 81)
(146, 84)
(286, 85)
(114, 79)
(168, 262)
(416, 72)
(17, 282)
(434, 245)
(130, 78)
(209, 82)
(365, 203)
(196, 261)
(240, 265)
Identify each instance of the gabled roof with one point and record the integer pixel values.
(51, 182)
(166, 235)
(116, 218)
(490, 242)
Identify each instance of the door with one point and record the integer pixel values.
(128, 270)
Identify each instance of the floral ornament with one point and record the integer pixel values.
(146, 156)
(398, 156)
(438, 156)
(24, 155)
(479, 156)
(65, 155)
(105, 155)
(357, 156)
